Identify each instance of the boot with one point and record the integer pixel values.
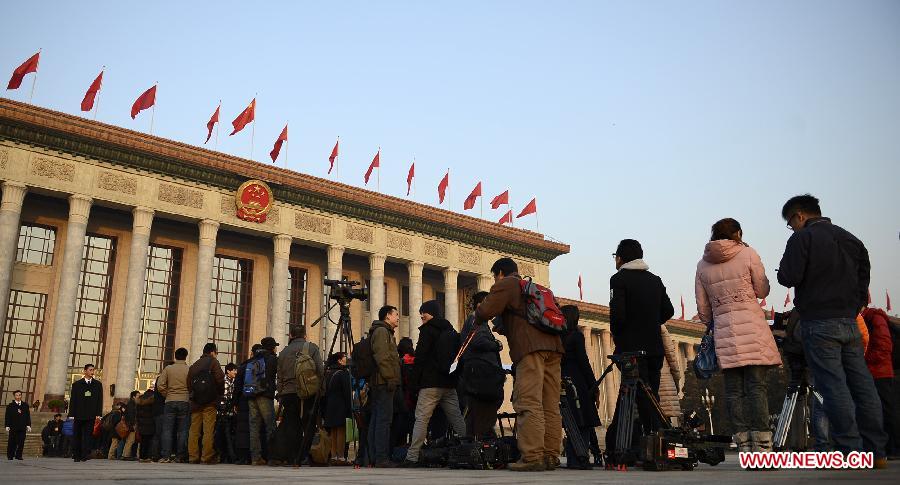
(743, 441)
(762, 441)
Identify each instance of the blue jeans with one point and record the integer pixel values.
(819, 421)
(381, 401)
(834, 352)
(262, 412)
(180, 410)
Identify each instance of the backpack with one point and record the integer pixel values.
(203, 388)
(363, 359)
(255, 377)
(305, 373)
(446, 348)
(541, 309)
(107, 423)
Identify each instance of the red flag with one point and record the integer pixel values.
(763, 303)
(144, 101)
(31, 65)
(580, 290)
(886, 294)
(500, 200)
(787, 298)
(507, 218)
(531, 208)
(212, 122)
(410, 176)
(773, 312)
(682, 307)
(442, 187)
(376, 162)
(244, 119)
(868, 297)
(470, 200)
(87, 103)
(334, 154)
(277, 148)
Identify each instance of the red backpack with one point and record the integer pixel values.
(541, 309)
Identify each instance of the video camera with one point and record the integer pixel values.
(779, 325)
(344, 291)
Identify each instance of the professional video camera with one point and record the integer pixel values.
(779, 327)
(343, 291)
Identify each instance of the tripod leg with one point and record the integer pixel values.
(784, 420)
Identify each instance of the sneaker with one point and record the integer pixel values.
(164, 460)
(528, 466)
(551, 463)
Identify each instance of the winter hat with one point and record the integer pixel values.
(433, 308)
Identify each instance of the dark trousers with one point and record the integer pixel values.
(889, 405)
(15, 444)
(746, 397)
(225, 438)
(82, 439)
(145, 447)
(481, 416)
(382, 406)
(180, 412)
(649, 368)
(156, 441)
(293, 436)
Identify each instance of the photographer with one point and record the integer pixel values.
(482, 375)
(730, 278)
(829, 269)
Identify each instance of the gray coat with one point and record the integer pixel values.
(287, 361)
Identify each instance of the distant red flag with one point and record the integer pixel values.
(787, 298)
(144, 101)
(773, 312)
(442, 187)
(580, 290)
(245, 118)
(868, 297)
(682, 307)
(277, 148)
(410, 176)
(500, 200)
(763, 303)
(334, 154)
(31, 65)
(507, 218)
(531, 208)
(886, 294)
(376, 162)
(212, 122)
(87, 103)
(470, 200)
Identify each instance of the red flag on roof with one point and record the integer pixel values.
(773, 312)
(531, 208)
(277, 148)
(87, 103)
(31, 65)
(144, 101)
(868, 297)
(410, 176)
(500, 200)
(763, 303)
(470, 200)
(376, 162)
(682, 307)
(580, 289)
(442, 187)
(787, 298)
(507, 218)
(245, 118)
(886, 294)
(212, 122)
(334, 154)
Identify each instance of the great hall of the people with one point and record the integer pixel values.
(117, 247)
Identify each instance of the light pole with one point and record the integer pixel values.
(708, 401)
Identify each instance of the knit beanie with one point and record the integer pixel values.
(433, 308)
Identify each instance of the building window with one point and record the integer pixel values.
(36, 244)
(92, 306)
(160, 311)
(21, 344)
(230, 307)
(296, 305)
(404, 301)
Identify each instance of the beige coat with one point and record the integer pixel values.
(172, 382)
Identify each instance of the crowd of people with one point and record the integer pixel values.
(288, 408)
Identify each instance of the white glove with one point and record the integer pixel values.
(28, 428)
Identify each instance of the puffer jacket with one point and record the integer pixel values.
(730, 278)
(881, 346)
(671, 377)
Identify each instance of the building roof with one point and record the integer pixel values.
(72, 134)
(600, 313)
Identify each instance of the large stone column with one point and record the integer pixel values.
(66, 297)
(277, 325)
(485, 282)
(10, 214)
(451, 308)
(202, 286)
(690, 352)
(589, 348)
(415, 269)
(609, 387)
(376, 284)
(335, 272)
(134, 302)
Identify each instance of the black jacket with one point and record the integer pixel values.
(483, 347)
(638, 306)
(146, 422)
(829, 270)
(18, 416)
(425, 369)
(87, 399)
(576, 366)
(131, 413)
(337, 406)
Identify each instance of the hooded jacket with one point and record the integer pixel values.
(881, 346)
(426, 373)
(730, 277)
(638, 306)
(384, 351)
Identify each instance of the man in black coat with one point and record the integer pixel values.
(85, 407)
(638, 306)
(18, 422)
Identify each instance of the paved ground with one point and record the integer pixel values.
(62, 471)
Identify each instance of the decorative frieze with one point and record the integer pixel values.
(226, 206)
(311, 223)
(53, 169)
(4, 157)
(117, 183)
(397, 241)
(436, 250)
(178, 195)
(470, 257)
(526, 269)
(360, 233)
(274, 216)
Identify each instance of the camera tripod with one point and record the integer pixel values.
(343, 336)
(787, 411)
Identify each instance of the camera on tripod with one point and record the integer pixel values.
(344, 291)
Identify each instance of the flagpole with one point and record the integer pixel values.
(153, 110)
(337, 162)
(449, 203)
(253, 132)
(378, 180)
(415, 180)
(537, 220)
(482, 207)
(97, 104)
(286, 145)
(217, 125)
(34, 79)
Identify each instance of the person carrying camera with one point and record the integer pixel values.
(829, 270)
(730, 278)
